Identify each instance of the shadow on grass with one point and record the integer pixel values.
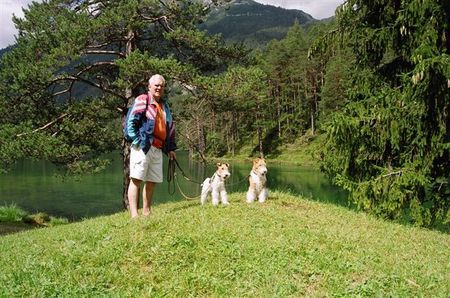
(16, 227)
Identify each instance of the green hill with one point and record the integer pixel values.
(252, 22)
(287, 246)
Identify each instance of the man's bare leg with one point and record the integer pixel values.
(133, 196)
(147, 195)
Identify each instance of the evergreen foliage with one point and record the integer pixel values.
(390, 145)
(253, 23)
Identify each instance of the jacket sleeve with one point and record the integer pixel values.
(172, 146)
(135, 120)
(170, 140)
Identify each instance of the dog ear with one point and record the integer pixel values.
(218, 164)
(227, 164)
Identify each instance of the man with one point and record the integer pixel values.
(151, 128)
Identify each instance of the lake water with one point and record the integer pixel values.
(34, 186)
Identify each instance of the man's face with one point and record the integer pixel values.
(156, 88)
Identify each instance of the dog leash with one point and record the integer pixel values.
(182, 193)
(239, 182)
(173, 181)
(171, 171)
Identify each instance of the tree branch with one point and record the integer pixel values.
(44, 126)
(69, 89)
(80, 79)
(104, 52)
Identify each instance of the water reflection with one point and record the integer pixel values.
(34, 187)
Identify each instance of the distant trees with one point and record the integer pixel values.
(276, 100)
(390, 144)
(286, 65)
(262, 106)
(337, 82)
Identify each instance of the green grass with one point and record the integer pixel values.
(11, 213)
(304, 151)
(287, 246)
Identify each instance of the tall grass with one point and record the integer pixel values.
(14, 214)
(11, 213)
(287, 246)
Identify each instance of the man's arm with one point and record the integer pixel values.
(134, 121)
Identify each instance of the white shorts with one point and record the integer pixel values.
(146, 167)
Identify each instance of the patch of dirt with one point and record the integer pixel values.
(10, 228)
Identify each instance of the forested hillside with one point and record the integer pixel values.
(253, 23)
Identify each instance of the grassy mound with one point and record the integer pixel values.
(285, 247)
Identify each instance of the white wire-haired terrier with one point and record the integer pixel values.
(258, 180)
(216, 185)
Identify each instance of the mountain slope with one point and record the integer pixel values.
(252, 22)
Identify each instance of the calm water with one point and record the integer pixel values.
(34, 186)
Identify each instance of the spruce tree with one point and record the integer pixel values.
(390, 146)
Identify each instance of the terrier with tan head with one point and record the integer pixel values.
(216, 185)
(257, 180)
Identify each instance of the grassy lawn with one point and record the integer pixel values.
(286, 247)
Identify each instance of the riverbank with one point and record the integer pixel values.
(288, 246)
(303, 152)
(14, 219)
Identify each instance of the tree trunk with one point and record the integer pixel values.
(259, 131)
(200, 137)
(125, 146)
(278, 115)
(314, 110)
(261, 152)
(126, 172)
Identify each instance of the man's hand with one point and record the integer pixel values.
(172, 155)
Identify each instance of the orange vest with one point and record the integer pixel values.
(159, 132)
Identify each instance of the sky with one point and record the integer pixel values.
(318, 9)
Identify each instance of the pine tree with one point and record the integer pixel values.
(77, 65)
